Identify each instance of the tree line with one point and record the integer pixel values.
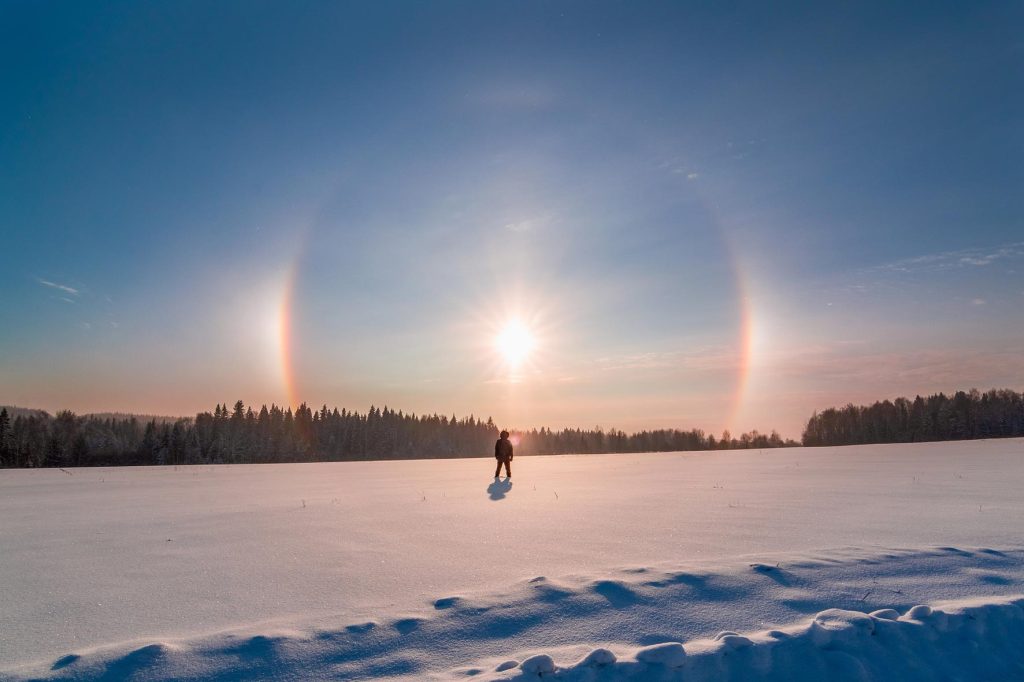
(33, 438)
(243, 435)
(993, 414)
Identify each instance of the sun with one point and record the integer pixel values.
(515, 342)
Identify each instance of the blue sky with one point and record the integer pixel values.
(627, 178)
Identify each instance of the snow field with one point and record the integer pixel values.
(418, 570)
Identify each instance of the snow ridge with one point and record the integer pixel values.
(967, 640)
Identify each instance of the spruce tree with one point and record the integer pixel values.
(5, 429)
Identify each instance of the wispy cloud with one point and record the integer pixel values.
(904, 371)
(60, 287)
(521, 226)
(532, 223)
(947, 260)
(704, 359)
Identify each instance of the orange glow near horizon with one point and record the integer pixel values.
(285, 338)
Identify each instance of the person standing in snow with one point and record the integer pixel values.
(503, 453)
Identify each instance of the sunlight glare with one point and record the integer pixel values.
(515, 343)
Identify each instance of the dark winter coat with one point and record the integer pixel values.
(503, 450)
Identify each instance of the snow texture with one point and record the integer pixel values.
(968, 640)
(832, 563)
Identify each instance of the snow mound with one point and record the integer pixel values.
(670, 654)
(956, 640)
(538, 665)
(677, 621)
(598, 658)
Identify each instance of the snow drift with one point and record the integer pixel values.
(969, 640)
(637, 623)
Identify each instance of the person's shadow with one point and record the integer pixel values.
(498, 489)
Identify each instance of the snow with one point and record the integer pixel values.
(969, 640)
(824, 563)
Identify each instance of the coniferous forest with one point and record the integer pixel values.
(32, 438)
(993, 414)
(243, 435)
